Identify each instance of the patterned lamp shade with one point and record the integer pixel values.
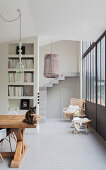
(51, 66)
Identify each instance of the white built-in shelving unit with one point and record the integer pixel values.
(29, 88)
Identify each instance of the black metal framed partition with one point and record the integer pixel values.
(94, 83)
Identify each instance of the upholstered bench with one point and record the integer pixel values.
(77, 123)
(87, 125)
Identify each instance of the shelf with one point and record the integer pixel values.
(20, 88)
(23, 112)
(20, 97)
(25, 70)
(23, 56)
(20, 84)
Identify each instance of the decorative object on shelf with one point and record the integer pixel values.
(51, 65)
(20, 66)
(25, 103)
(13, 109)
(22, 48)
(27, 91)
(30, 116)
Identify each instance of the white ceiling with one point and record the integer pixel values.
(54, 19)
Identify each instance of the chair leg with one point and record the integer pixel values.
(1, 142)
(14, 136)
(10, 143)
(70, 118)
(1, 158)
(64, 116)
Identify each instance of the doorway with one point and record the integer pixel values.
(58, 97)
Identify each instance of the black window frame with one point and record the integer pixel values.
(88, 51)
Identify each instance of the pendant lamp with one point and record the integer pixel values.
(51, 65)
(20, 66)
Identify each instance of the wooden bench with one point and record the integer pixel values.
(87, 125)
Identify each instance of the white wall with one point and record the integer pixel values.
(58, 97)
(3, 78)
(69, 54)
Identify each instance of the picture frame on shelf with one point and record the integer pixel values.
(25, 104)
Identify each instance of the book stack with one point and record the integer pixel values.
(11, 77)
(15, 91)
(28, 77)
(12, 63)
(28, 63)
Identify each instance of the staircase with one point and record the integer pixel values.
(43, 102)
(49, 84)
(53, 81)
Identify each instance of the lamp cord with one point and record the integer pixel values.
(9, 21)
(19, 17)
(20, 24)
(5, 20)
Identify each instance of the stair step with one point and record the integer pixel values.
(49, 85)
(61, 78)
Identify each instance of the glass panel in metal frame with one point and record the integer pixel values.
(93, 77)
(98, 75)
(84, 78)
(103, 71)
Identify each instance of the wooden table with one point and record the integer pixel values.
(15, 122)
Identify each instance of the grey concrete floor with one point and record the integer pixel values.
(56, 148)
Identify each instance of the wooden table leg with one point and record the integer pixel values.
(23, 145)
(20, 148)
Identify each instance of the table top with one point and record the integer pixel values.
(16, 121)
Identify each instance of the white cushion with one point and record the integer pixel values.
(3, 133)
(72, 109)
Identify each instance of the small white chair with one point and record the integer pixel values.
(3, 134)
(13, 112)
